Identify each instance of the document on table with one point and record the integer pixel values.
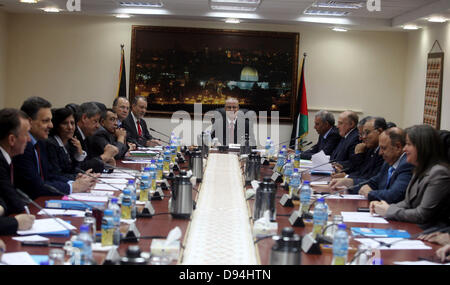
(86, 197)
(319, 183)
(396, 243)
(347, 196)
(362, 217)
(114, 180)
(62, 212)
(103, 186)
(127, 175)
(41, 226)
(35, 238)
(142, 161)
(18, 258)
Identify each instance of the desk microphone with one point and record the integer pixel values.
(301, 144)
(28, 200)
(153, 130)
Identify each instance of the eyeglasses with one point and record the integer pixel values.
(367, 132)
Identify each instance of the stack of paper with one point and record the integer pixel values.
(42, 226)
(362, 217)
(321, 159)
(395, 243)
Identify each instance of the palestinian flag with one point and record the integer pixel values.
(300, 126)
(122, 89)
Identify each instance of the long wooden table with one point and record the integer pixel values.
(161, 225)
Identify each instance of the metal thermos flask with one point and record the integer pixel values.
(265, 199)
(197, 165)
(252, 168)
(181, 203)
(287, 248)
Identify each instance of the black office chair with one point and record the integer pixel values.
(445, 137)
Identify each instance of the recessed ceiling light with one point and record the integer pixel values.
(437, 19)
(123, 16)
(234, 8)
(338, 5)
(232, 21)
(337, 29)
(410, 27)
(256, 2)
(142, 4)
(51, 10)
(29, 1)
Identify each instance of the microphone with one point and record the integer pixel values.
(302, 143)
(153, 130)
(97, 178)
(28, 200)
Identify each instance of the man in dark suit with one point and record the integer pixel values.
(87, 124)
(121, 107)
(345, 150)
(232, 125)
(14, 127)
(109, 133)
(135, 125)
(394, 176)
(32, 171)
(328, 135)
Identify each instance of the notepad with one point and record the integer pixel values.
(115, 187)
(18, 258)
(62, 212)
(396, 243)
(371, 232)
(86, 197)
(47, 227)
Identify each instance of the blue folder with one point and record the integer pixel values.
(72, 205)
(372, 232)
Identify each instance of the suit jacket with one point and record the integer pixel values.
(366, 165)
(8, 225)
(345, 150)
(13, 203)
(27, 177)
(91, 161)
(394, 191)
(328, 144)
(132, 132)
(221, 130)
(62, 163)
(427, 199)
(101, 138)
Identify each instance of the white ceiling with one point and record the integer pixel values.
(393, 14)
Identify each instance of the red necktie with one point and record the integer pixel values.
(139, 128)
(39, 160)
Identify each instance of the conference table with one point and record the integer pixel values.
(162, 223)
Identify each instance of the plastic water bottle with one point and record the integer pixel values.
(86, 250)
(167, 158)
(294, 182)
(320, 216)
(125, 209)
(267, 147)
(107, 228)
(173, 151)
(305, 197)
(152, 175)
(159, 168)
(288, 169)
(280, 162)
(297, 158)
(284, 150)
(133, 195)
(116, 213)
(77, 248)
(340, 246)
(145, 185)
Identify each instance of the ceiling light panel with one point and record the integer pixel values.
(235, 5)
(339, 4)
(318, 12)
(141, 4)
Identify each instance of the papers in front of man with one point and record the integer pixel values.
(17, 258)
(321, 159)
(394, 243)
(42, 226)
(62, 212)
(362, 217)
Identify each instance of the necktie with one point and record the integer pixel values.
(139, 128)
(390, 171)
(12, 173)
(38, 151)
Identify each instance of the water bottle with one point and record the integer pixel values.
(287, 172)
(86, 250)
(107, 228)
(294, 182)
(133, 195)
(166, 163)
(340, 246)
(145, 185)
(297, 158)
(152, 175)
(77, 248)
(284, 150)
(173, 151)
(267, 147)
(159, 168)
(272, 148)
(280, 162)
(116, 213)
(320, 216)
(125, 209)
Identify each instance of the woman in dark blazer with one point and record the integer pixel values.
(64, 150)
(427, 198)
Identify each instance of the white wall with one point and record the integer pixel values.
(76, 59)
(419, 45)
(3, 56)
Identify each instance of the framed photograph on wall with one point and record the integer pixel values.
(175, 67)
(433, 90)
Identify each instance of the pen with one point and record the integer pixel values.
(27, 210)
